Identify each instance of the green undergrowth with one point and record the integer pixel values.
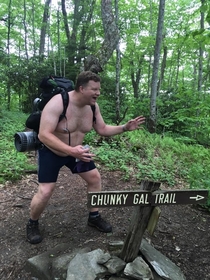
(152, 157)
(12, 163)
(136, 154)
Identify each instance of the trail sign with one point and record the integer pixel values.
(146, 198)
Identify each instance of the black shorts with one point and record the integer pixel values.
(49, 165)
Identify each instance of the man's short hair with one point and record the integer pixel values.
(84, 77)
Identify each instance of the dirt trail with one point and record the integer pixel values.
(183, 232)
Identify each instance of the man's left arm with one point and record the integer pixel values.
(110, 130)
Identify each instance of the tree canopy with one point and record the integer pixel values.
(125, 41)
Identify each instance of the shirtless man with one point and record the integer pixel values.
(63, 146)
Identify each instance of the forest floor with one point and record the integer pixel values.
(182, 234)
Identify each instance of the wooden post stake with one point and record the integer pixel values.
(139, 222)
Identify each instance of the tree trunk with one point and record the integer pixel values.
(81, 50)
(33, 27)
(71, 39)
(111, 32)
(118, 61)
(200, 69)
(76, 46)
(96, 62)
(153, 115)
(178, 65)
(25, 30)
(63, 3)
(150, 52)
(61, 72)
(44, 28)
(200, 63)
(8, 52)
(163, 67)
(136, 76)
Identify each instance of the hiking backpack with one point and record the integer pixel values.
(51, 86)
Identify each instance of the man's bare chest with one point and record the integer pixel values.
(77, 120)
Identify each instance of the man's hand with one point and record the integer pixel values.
(134, 124)
(82, 154)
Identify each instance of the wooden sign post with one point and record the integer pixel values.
(145, 199)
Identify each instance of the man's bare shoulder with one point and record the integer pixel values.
(54, 103)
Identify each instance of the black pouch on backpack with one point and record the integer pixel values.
(33, 121)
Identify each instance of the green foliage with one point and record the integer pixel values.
(149, 156)
(182, 107)
(182, 114)
(12, 163)
(137, 154)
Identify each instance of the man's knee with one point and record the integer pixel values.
(45, 191)
(92, 177)
(96, 176)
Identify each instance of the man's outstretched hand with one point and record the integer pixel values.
(135, 123)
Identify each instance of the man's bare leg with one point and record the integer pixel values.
(93, 180)
(40, 199)
(38, 204)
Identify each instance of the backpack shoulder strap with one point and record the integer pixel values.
(65, 98)
(93, 107)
